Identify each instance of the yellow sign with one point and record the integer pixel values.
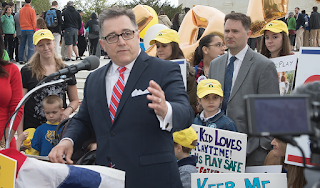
(8, 171)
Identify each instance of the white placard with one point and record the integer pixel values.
(183, 68)
(308, 65)
(244, 180)
(293, 154)
(264, 169)
(220, 150)
(286, 68)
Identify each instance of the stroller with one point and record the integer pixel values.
(82, 156)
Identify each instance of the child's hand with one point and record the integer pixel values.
(22, 137)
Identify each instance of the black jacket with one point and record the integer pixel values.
(89, 24)
(59, 16)
(300, 21)
(314, 20)
(71, 18)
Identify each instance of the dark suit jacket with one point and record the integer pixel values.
(257, 75)
(134, 142)
(300, 21)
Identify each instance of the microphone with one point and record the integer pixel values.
(89, 63)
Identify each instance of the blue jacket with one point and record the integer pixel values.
(219, 121)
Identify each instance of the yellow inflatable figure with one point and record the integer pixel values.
(262, 12)
(145, 18)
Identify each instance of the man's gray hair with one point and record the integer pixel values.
(70, 3)
(116, 12)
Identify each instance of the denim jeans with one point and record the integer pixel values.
(26, 35)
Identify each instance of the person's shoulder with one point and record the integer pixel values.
(26, 68)
(219, 59)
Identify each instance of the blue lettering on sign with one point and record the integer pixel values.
(203, 184)
(230, 184)
(256, 183)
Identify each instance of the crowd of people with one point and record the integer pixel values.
(66, 25)
(136, 106)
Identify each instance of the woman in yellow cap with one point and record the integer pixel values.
(43, 63)
(275, 41)
(167, 43)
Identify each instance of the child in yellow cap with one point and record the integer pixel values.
(210, 96)
(184, 141)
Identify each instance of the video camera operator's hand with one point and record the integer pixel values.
(57, 153)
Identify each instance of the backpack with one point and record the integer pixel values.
(51, 18)
(95, 29)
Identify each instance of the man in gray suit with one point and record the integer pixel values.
(242, 71)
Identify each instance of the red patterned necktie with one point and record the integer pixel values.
(116, 93)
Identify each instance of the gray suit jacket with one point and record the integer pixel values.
(257, 75)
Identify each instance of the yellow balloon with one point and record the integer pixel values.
(143, 16)
(206, 17)
(263, 11)
(151, 23)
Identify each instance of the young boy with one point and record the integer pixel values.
(44, 134)
(210, 96)
(184, 141)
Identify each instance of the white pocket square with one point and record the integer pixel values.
(139, 92)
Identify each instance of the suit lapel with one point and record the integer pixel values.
(244, 69)
(139, 66)
(102, 90)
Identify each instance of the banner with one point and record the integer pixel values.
(245, 180)
(183, 67)
(308, 69)
(220, 150)
(293, 154)
(286, 68)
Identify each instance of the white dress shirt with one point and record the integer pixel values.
(237, 63)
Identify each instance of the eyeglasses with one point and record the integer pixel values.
(219, 45)
(113, 38)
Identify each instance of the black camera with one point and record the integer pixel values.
(287, 116)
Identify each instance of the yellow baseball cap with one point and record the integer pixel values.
(209, 86)
(42, 34)
(166, 36)
(276, 26)
(185, 137)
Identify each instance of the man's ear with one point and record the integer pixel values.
(249, 34)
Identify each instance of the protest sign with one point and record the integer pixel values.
(308, 69)
(183, 67)
(286, 68)
(244, 180)
(293, 154)
(220, 150)
(264, 169)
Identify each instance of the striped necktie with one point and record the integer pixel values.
(117, 93)
(228, 83)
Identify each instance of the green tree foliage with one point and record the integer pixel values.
(97, 6)
(90, 6)
(41, 5)
(157, 5)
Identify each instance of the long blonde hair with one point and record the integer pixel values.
(38, 70)
(295, 174)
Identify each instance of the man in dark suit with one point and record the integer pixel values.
(299, 28)
(138, 139)
(242, 71)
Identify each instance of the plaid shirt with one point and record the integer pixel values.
(199, 70)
